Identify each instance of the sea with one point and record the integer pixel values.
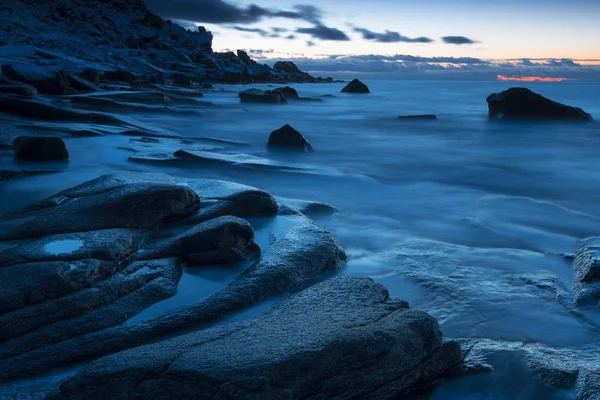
(471, 220)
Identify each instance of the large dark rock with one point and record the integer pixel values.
(40, 148)
(17, 88)
(343, 339)
(286, 66)
(111, 201)
(291, 94)
(356, 86)
(522, 103)
(300, 257)
(244, 57)
(288, 137)
(587, 272)
(223, 240)
(181, 79)
(44, 80)
(262, 96)
(91, 75)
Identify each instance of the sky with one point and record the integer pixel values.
(406, 38)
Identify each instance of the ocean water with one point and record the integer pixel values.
(465, 218)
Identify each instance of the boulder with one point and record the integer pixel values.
(46, 81)
(244, 57)
(522, 103)
(288, 137)
(341, 339)
(181, 79)
(356, 86)
(587, 272)
(288, 92)
(286, 66)
(223, 240)
(40, 148)
(262, 96)
(418, 117)
(17, 88)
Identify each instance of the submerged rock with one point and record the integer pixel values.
(587, 272)
(44, 80)
(346, 325)
(419, 116)
(262, 96)
(356, 86)
(522, 103)
(288, 137)
(40, 148)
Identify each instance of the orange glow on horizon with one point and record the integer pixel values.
(529, 78)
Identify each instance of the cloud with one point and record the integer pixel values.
(390, 37)
(279, 30)
(223, 12)
(320, 31)
(259, 31)
(310, 43)
(458, 40)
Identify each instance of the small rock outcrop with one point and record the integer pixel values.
(40, 148)
(522, 103)
(244, 56)
(587, 272)
(262, 96)
(418, 117)
(290, 138)
(291, 94)
(356, 86)
(286, 66)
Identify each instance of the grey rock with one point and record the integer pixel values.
(341, 339)
(40, 148)
(223, 240)
(356, 86)
(587, 272)
(44, 80)
(522, 103)
(262, 96)
(301, 256)
(288, 137)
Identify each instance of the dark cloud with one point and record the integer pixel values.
(458, 40)
(279, 30)
(390, 37)
(290, 37)
(320, 31)
(222, 12)
(310, 43)
(259, 31)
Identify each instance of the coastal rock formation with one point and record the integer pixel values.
(288, 137)
(40, 148)
(262, 96)
(356, 86)
(587, 272)
(346, 325)
(286, 66)
(291, 94)
(522, 103)
(45, 80)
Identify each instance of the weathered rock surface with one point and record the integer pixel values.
(288, 137)
(222, 240)
(291, 94)
(309, 208)
(356, 86)
(46, 81)
(262, 96)
(522, 103)
(587, 272)
(40, 148)
(418, 117)
(301, 256)
(340, 339)
(81, 84)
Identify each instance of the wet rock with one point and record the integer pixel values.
(80, 84)
(181, 79)
(261, 96)
(356, 86)
(44, 80)
(311, 209)
(91, 75)
(346, 325)
(223, 240)
(587, 272)
(418, 117)
(238, 160)
(301, 256)
(102, 203)
(522, 103)
(17, 88)
(291, 94)
(40, 148)
(286, 66)
(288, 137)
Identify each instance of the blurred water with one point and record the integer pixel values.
(464, 218)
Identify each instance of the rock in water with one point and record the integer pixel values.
(343, 339)
(356, 86)
(288, 92)
(587, 272)
(44, 80)
(262, 96)
(40, 148)
(286, 66)
(522, 103)
(288, 137)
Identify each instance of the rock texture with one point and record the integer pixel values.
(587, 272)
(262, 96)
(290, 138)
(341, 339)
(40, 148)
(356, 86)
(522, 103)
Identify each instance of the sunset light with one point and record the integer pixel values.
(529, 78)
